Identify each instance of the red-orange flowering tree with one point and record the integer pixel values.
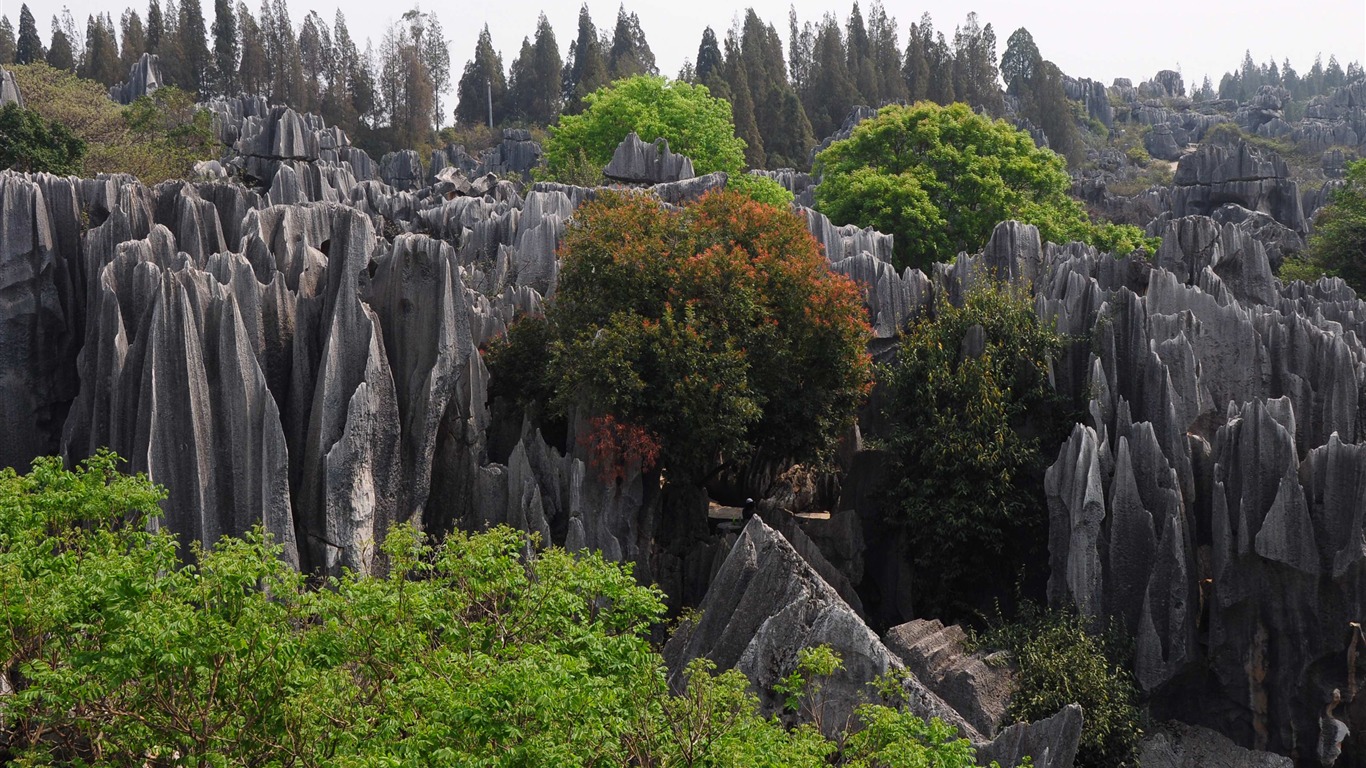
(715, 331)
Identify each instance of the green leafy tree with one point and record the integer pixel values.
(474, 651)
(1338, 243)
(132, 39)
(1020, 61)
(60, 55)
(941, 178)
(102, 63)
(30, 143)
(716, 331)
(966, 383)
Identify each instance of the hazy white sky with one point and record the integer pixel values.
(1101, 40)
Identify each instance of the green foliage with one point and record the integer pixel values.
(30, 143)
(1338, 244)
(964, 437)
(694, 123)
(470, 652)
(760, 189)
(518, 360)
(718, 329)
(941, 178)
(1301, 268)
(159, 137)
(1061, 661)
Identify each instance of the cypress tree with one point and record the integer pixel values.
(482, 73)
(313, 60)
(709, 61)
(860, 61)
(29, 47)
(60, 55)
(1020, 62)
(225, 47)
(630, 53)
(915, 69)
(156, 26)
(886, 55)
(587, 68)
(831, 92)
(742, 104)
(253, 73)
(102, 63)
(6, 41)
(132, 40)
(533, 88)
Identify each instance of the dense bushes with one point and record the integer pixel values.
(1338, 245)
(969, 396)
(1062, 660)
(159, 137)
(31, 144)
(118, 652)
(714, 331)
(941, 178)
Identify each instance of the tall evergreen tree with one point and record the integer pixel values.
(1333, 74)
(1020, 61)
(29, 47)
(709, 60)
(630, 53)
(742, 104)
(483, 77)
(830, 91)
(313, 58)
(974, 66)
(253, 69)
(586, 70)
(6, 41)
(226, 47)
(156, 26)
(102, 62)
(787, 141)
(436, 57)
(885, 51)
(860, 58)
(193, 47)
(405, 83)
(941, 61)
(60, 55)
(915, 68)
(800, 44)
(534, 87)
(132, 39)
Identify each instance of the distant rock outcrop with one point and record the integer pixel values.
(144, 77)
(1255, 179)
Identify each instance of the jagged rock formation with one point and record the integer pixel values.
(9, 89)
(1242, 174)
(635, 162)
(1092, 95)
(1176, 745)
(144, 77)
(979, 690)
(515, 156)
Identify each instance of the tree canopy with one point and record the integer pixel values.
(1338, 244)
(30, 143)
(941, 178)
(708, 332)
(475, 651)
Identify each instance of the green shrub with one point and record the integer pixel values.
(1338, 244)
(1062, 661)
(28, 143)
(470, 652)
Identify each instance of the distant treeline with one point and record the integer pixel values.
(784, 96)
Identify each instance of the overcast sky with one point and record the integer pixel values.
(1101, 40)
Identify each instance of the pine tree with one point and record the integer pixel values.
(533, 88)
(941, 61)
(192, 48)
(974, 66)
(786, 136)
(483, 74)
(860, 59)
(225, 47)
(436, 58)
(586, 70)
(60, 55)
(6, 41)
(915, 69)
(156, 26)
(1333, 76)
(709, 61)
(405, 83)
(102, 62)
(630, 54)
(1020, 61)
(800, 43)
(29, 47)
(830, 92)
(742, 104)
(253, 70)
(313, 59)
(132, 40)
(885, 55)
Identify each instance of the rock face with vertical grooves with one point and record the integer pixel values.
(9, 89)
(144, 77)
(636, 162)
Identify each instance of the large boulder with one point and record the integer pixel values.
(636, 162)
